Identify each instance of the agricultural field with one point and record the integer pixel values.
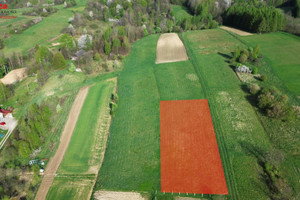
(132, 160)
(83, 158)
(282, 51)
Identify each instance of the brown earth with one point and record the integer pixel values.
(111, 195)
(55, 161)
(236, 31)
(14, 76)
(170, 49)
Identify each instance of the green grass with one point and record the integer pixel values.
(180, 12)
(70, 188)
(237, 132)
(132, 159)
(83, 151)
(80, 152)
(40, 33)
(282, 50)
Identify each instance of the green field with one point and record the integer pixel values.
(70, 188)
(41, 33)
(132, 159)
(282, 51)
(86, 146)
(180, 12)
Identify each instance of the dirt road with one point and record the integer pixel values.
(55, 161)
(170, 49)
(236, 31)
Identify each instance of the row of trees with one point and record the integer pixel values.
(253, 18)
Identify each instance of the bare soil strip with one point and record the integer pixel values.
(111, 195)
(54, 162)
(14, 76)
(236, 31)
(170, 49)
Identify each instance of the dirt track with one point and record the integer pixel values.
(237, 31)
(55, 161)
(170, 49)
(111, 195)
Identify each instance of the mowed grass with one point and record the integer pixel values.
(70, 188)
(40, 33)
(282, 50)
(132, 157)
(180, 12)
(79, 156)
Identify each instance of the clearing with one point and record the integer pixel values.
(236, 31)
(190, 160)
(54, 162)
(170, 49)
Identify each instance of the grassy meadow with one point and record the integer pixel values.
(70, 188)
(282, 52)
(40, 33)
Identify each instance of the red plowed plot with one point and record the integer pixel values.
(190, 160)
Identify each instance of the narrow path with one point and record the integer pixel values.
(54, 162)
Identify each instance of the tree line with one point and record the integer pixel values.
(261, 19)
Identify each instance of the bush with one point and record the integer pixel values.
(97, 57)
(255, 70)
(254, 88)
(263, 78)
(72, 68)
(243, 58)
(59, 61)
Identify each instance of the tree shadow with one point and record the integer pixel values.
(225, 55)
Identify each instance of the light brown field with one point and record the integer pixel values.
(111, 195)
(170, 49)
(236, 31)
(14, 76)
(54, 162)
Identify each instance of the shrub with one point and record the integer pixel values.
(107, 48)
(263, 78)
(243, 58)
(254, 88)
(72, 68)
(59, 61)
(255, 70)
(43, 55)
(97, 57)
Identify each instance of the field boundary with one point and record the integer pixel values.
(55, 161)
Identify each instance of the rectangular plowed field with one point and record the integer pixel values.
(190, 160)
